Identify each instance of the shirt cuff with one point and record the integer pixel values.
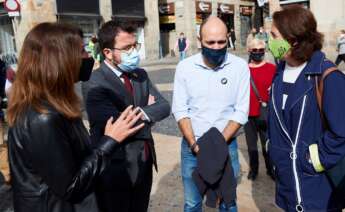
(180, 115)
(146, 117)
(239, 117)
(314, 156)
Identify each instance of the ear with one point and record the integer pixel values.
(108, 54)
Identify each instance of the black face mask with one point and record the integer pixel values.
(214, 56)
(86, 69)
(257, 56)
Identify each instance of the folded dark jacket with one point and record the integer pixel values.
(214, 175)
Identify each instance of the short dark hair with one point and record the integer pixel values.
(299, 27)
(110, 29)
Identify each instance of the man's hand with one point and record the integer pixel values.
(196, 149)
(151, 100)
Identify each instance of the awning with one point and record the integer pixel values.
(282, 2)
(131, 10)
(129, 18)
(77, 7)
(84, 15)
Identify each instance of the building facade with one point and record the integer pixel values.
(160, 21)
(176, 16)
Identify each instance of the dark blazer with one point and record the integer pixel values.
(52, 167)
(106, 96)
(214, 175)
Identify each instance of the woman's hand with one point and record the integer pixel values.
(123, 126)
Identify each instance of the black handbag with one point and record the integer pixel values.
(263, 105)
(336, 174)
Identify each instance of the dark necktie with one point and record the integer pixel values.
(127, 83)
(129, 88)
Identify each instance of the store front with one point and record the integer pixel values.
(132, 11)
(226, 13)
(82, 13)
(167, 28)
(246, 13)
(7, 40)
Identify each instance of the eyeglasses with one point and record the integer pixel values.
(258, 50)
(129, 49)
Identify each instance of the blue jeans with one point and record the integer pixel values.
(192, 197)
(182, 55)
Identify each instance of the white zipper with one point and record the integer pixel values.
(293, 154)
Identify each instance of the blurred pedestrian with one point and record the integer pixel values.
(182, 45)
(261, 74)
(301, 146)
(219, 105)
(340, 48)
(250, 37)
(262, 35)
(233, 38)
(52, 165)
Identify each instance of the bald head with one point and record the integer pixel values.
(213, 33)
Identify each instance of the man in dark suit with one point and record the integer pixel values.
(126, 184)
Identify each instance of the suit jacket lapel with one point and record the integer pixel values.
(115, 84)
(137, 89)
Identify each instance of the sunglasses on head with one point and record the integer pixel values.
(258, 50)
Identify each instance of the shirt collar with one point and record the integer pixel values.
(200, 62)
(116, 71)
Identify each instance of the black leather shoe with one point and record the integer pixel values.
(252, 175)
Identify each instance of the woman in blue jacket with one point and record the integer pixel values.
(300, 148)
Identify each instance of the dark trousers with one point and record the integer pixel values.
(252, 128)
(341, 57)
(122, 195)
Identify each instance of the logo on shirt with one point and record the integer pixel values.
(224, 81)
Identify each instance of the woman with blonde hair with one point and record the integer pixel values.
(261, 76)
(52, 167)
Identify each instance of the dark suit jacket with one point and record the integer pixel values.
(106, 96)
(214, 175)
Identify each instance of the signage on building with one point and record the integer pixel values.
(166, 9)
(246, 10)
(12, 7)
(167, 19)
(203, 7)
(226, 8)
(262, 2)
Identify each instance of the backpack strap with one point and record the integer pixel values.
(319, 91)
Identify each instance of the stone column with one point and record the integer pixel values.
(105, 9)
(186, 22)
(274, 5)
(330, 16)
(32, 13)
(151, 30)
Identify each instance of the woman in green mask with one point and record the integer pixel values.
(300, 147)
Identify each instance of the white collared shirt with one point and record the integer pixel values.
(211, 98)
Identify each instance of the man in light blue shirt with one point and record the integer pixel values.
(211, 89)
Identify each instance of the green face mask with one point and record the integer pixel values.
(278, 47)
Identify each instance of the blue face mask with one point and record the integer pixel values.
(129, 62)
(214, 56)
